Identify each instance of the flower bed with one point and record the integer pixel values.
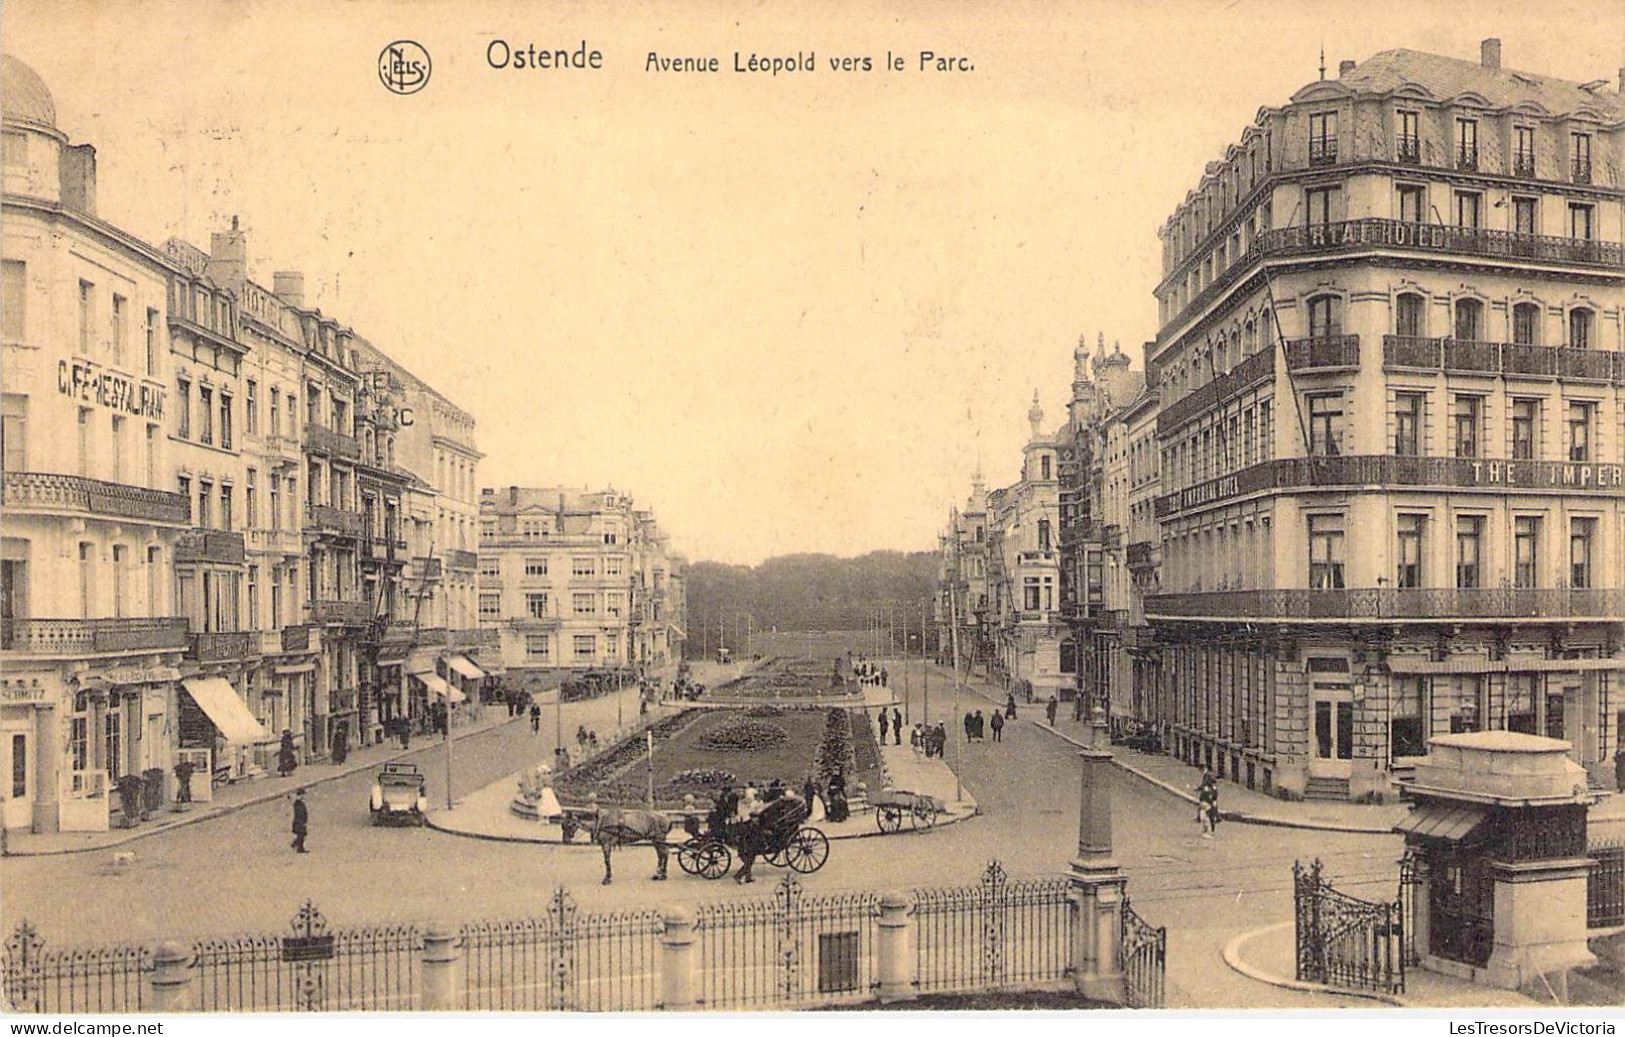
(745, 736)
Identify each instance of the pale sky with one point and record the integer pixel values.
(787, 313)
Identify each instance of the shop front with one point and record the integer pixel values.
(214, 718)
(28, 711)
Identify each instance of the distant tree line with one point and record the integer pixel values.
(808, 592)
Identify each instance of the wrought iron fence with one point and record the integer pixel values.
(66, 980)
(1605, 886)
(996, 933)
(1145, 960)
(787, 949)
(563, 961)
(1343, 940)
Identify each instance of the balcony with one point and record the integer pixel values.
(210, 547)
(1139, 554)
(296, 638)
(1581, 171)
(475, 637)
(381, 549)
(275, 541)
(1386, 603)
(424, 568)
(278, 445)
(43, 491)
(1467, 159)
(222, 646)
(1031, 558)
(1378, 470)
(340, 613)
(319, 439)
(1513, 359)
(1410, 151)
(321, 518)
(1523, 164)
(1257, 368)
(89, 636)
(458, 559)
(1471, 357)
(1323, 353)
(1323, 151)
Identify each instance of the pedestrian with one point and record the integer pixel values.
(998, 727)
(896, 726)
(1619, 769)
(916, 739)
(885, 726)
(286, 759)
(942, 739)
(979, 726)
(970, 726)
(535, 719)
(1207, 804)
(1051, 708)
(301, 822)
(1010, 707)
(884, 677)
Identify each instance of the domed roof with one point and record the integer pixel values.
(24, 95)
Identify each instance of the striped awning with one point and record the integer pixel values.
(438, 686)
(1450, 822)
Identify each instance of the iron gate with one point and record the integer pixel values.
(1343, 940)
(1145, 960)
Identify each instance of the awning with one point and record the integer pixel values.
(216, 697)
(463, 666)
(440, 687)
(308, 667)
(1564, 665)
(1419, 665)
(1448, 821)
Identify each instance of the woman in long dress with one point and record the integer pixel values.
(547, 803)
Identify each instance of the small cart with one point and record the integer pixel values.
(894, 806)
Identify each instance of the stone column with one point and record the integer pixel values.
(893, 960)
(1097, 888)
(677, 960)
(438, 989)
(171, 980)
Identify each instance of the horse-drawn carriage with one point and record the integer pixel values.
(777, 834)
(893, 806)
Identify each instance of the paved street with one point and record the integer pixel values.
(237, 873)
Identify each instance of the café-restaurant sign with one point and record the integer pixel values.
(131, 675)
(90, 382)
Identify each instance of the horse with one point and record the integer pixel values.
(613, 827)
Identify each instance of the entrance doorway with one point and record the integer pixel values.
(19, 757)
(1332, 730)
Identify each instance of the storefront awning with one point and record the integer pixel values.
(216, 697)
(308, 667)
(1448, 821)
(1402, 664)
(463, 666)
(1564, 665)
(439, 687)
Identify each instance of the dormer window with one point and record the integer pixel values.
(1580, 157)
(1323, 139)
(1466, 143)
(1409, 139)
(1523, 151)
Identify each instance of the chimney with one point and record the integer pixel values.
(228, 256)
(290, 286)
(1489, 53)
(1344, 67)
(77, 176)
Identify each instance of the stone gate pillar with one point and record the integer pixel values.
(1097, 888)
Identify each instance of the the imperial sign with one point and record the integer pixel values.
(88, 381)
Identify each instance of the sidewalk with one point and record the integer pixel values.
(1268, 955)
(234, 797)
(486, 813)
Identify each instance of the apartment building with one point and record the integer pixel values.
(962, 582)
(1391, 427)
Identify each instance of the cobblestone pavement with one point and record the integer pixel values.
(238, 874)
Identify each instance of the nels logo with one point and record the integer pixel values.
(404, 67)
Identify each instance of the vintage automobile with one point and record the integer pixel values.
(398, 795)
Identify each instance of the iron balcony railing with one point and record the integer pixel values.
(1255, 369)
(1467, 158)
(1581, 171)
(296, 638)
(1509, 358)
(210, 546)
(1323, 353)
(1410, 150)
(48, 491)
(1322, 151)
(457, 558)
(1139, 554)
(323, 440)
(1448, 603)
(322, 518)
(68, 636)
(1523, 164)
(344, 613)
(220, 646)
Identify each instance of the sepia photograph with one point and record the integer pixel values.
(753, 507)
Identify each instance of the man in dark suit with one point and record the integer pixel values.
(301, 821)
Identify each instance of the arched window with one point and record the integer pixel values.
(1580, 320)
(1526, 324)
(1325, 316)
(1409, 309)
(1469, 320)
(1249, 341)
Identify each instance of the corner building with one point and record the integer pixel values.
(1391, 427)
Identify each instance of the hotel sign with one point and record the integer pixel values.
(90, 382)
(1548, 474)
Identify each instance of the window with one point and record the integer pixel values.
(120, 313)
(1582, 221)
(538, 646)
(251, 413)
(1326, 424)
(1523, 151)
(1465, 714)
(1580, 328)
(1582, 534)
(87, 316)
(87, 579)
(1405, 728)
(1325, 316)
(1469, 320)
(612, 644)
(14, 301)
(1466, 144)
(1525, 427)
(205, 410)
(1526, 324)
(276, 502)
(613, 565)
(1322, 205)
(1469, 209)
(225, 420)
(490, 568)
(1410, 141)
(113, 728)
(14, 432)
(1469, 420)
(152, 341)
(251, 504)
(584, 604)
(1325, 552)
(586, 646)
(1412, 203)
(84, 441)
(1520, 703)
(1580, 157)
(1322, 138)
(583, 567)
(1408, 409)
(1580, 431)
(120, 560)
(225, 505)
(183, 486)
(1031, 594)
(183, 397)
(1043, 535)
(276, 411)
(1524, 216)
(491, 605)
(614, 605)
(1469, 545)
(1409, 573)
(536, 606)
(205, 491)
(253, 598)
(535, 566)
(1409, 310)
(1526, 551)
(1044, 467)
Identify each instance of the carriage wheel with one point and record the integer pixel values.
(890, 819)
(687, 858)
(712, 860)
(807, 852)
(924, 816)
(776, 858)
